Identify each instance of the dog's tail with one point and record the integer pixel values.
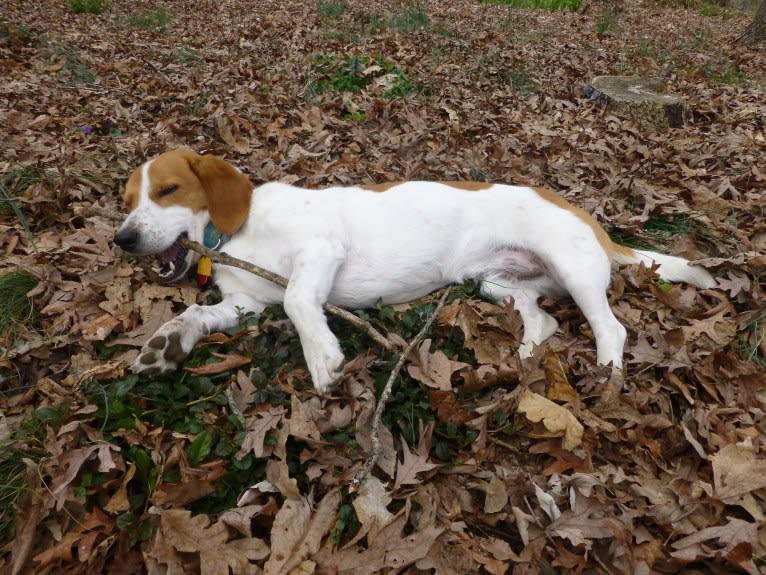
(672, 268)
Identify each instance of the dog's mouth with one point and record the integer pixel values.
(174, 261)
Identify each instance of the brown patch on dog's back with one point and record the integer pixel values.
(467, 186)
(603, 238)
(382, 187)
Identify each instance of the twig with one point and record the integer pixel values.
(375, 433)
(226, 259)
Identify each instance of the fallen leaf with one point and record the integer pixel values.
(495, 493)
(99, 328)
(391, 549)
(447, 409)
(558, 388)
(181, 532)
(119, 502)
(180, 494)
(257, 427)
(34, 512)
(737, 541)
(229, 362)
(67, 467)
(297, 532)
(371, 506)
(737, 470)
(434, 369)
(278, 475)
(409, 466)
(557, 419)
(301, 422)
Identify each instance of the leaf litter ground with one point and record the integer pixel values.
(489, 465)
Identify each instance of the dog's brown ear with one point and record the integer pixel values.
(227, 189)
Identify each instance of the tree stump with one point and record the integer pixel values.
(756, 32)
(639, 98)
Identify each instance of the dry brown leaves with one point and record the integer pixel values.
(657, 471)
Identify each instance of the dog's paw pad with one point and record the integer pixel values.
(174, 351)
(147, 358)
(157, 342)
(161, 354)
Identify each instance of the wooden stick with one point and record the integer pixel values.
(226, 259)
(386, 393)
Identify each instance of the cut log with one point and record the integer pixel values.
(639, 98)
(756, 32)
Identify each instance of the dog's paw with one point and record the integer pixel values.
(325, 367)
(161, 354)
(526, 349)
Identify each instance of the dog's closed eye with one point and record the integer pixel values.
(167, 190)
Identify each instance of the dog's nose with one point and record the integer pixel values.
(127, 239)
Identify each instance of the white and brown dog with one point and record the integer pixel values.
(353, 246)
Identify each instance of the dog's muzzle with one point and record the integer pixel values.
(174, 262)
(127, 239)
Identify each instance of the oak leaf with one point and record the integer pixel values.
(557, 419)
(410, 465)
(391, 549)
(434, 369)
(495, 493)
(371, 506)
(180, 532)
(256, 429)
(180, 494)
(301, 422)
(737, 541)
(297, 532)
(559, 388)
(734, 283)
(67, 467)
(737, 471)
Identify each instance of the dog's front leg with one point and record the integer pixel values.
(175, 339)
(310, 283)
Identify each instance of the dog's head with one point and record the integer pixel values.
(175, 195)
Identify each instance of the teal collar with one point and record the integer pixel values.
(214, 238)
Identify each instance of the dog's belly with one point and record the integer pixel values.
(365, 295)
(361, 281)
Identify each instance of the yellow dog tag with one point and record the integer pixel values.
(204, 270)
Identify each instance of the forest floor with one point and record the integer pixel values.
(235, 464)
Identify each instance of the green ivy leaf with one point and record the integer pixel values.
(200, 448)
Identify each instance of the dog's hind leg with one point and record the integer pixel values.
(170, 344)
(585, 274)
(609, 332)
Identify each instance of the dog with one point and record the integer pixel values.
(354, 246)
